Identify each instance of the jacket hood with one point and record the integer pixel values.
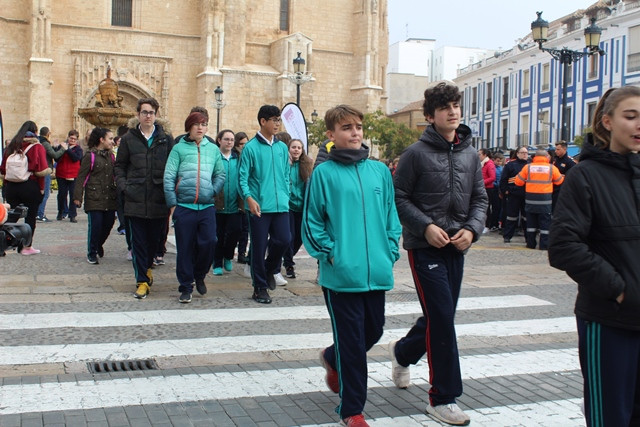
(166, 126)
(349, 156)
(432, 137)
(592, 152)
(31, 139)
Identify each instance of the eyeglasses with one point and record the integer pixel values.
(276, 119)
(523, 152)
(147, 113)
(204, 124)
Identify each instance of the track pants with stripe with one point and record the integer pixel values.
(437, 275)
(100, 225)
(357, 320)
(610, 363)
(144, 234)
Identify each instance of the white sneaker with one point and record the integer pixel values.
(450, 414)
(485, 230)
(129, 256)
(280, 281)
(246, 271)
(400, 375)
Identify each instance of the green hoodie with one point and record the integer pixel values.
(350, 223)
(263, 174)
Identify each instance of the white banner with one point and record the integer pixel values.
(295, 124)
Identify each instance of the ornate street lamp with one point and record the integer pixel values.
(540, 30)
(219, 105)
(299, 77)
(314, 116)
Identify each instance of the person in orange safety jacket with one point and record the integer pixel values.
(538, 179)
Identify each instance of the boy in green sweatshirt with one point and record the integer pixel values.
(351, 226)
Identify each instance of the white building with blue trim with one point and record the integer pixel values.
(515, 97)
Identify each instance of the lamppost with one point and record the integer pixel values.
(314, 116)
(299, 77)
(539, 31)
(219, 105)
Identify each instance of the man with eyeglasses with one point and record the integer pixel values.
(513, 193)
(139, 170)
(263, 176)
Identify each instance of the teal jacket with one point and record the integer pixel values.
(264, 174)
(350, 223)
(297, 188)
(230, 187)
(193, 174)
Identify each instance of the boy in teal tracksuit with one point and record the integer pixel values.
(351, 226)
(263, 177)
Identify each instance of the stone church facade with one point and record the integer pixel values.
(55, 53)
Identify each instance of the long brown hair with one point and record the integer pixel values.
(606, 106)
(306, 164)
(15, 146)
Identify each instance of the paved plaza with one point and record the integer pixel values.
(224, 360)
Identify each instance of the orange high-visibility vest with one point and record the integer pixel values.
(539, 177)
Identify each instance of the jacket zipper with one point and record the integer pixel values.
(366, 237)
(273, 169)
(198, 177)
(450, 178)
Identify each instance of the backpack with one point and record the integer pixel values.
(17, 166)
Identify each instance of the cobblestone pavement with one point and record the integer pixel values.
(224, 360)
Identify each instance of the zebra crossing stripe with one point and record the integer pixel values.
(159, 317)
(33, 354)
(99, 393)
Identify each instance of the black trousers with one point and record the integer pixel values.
(515, 212)
(228, 229)
(144, 234)
(610, 364)
(268, 230)
(65, 196)
(437, 275)
(26, 193)
(295, 222)
(358, 321)
(100, 225)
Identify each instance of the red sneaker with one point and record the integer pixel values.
(332, 375)
(354, 421)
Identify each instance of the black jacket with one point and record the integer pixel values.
(439, 183)
(140, 172)
(595, 235)
(564, 163)
(509, 173)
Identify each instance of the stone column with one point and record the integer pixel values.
(212, 47)
(369, 45)
(40, 63)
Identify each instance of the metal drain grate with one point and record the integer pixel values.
(104, 367)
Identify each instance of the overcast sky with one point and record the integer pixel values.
(487, 24)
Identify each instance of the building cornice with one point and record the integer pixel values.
(133, 55)
(126, 30)
(13, 20)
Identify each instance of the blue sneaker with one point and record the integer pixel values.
(227, 264)
(217, 271)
